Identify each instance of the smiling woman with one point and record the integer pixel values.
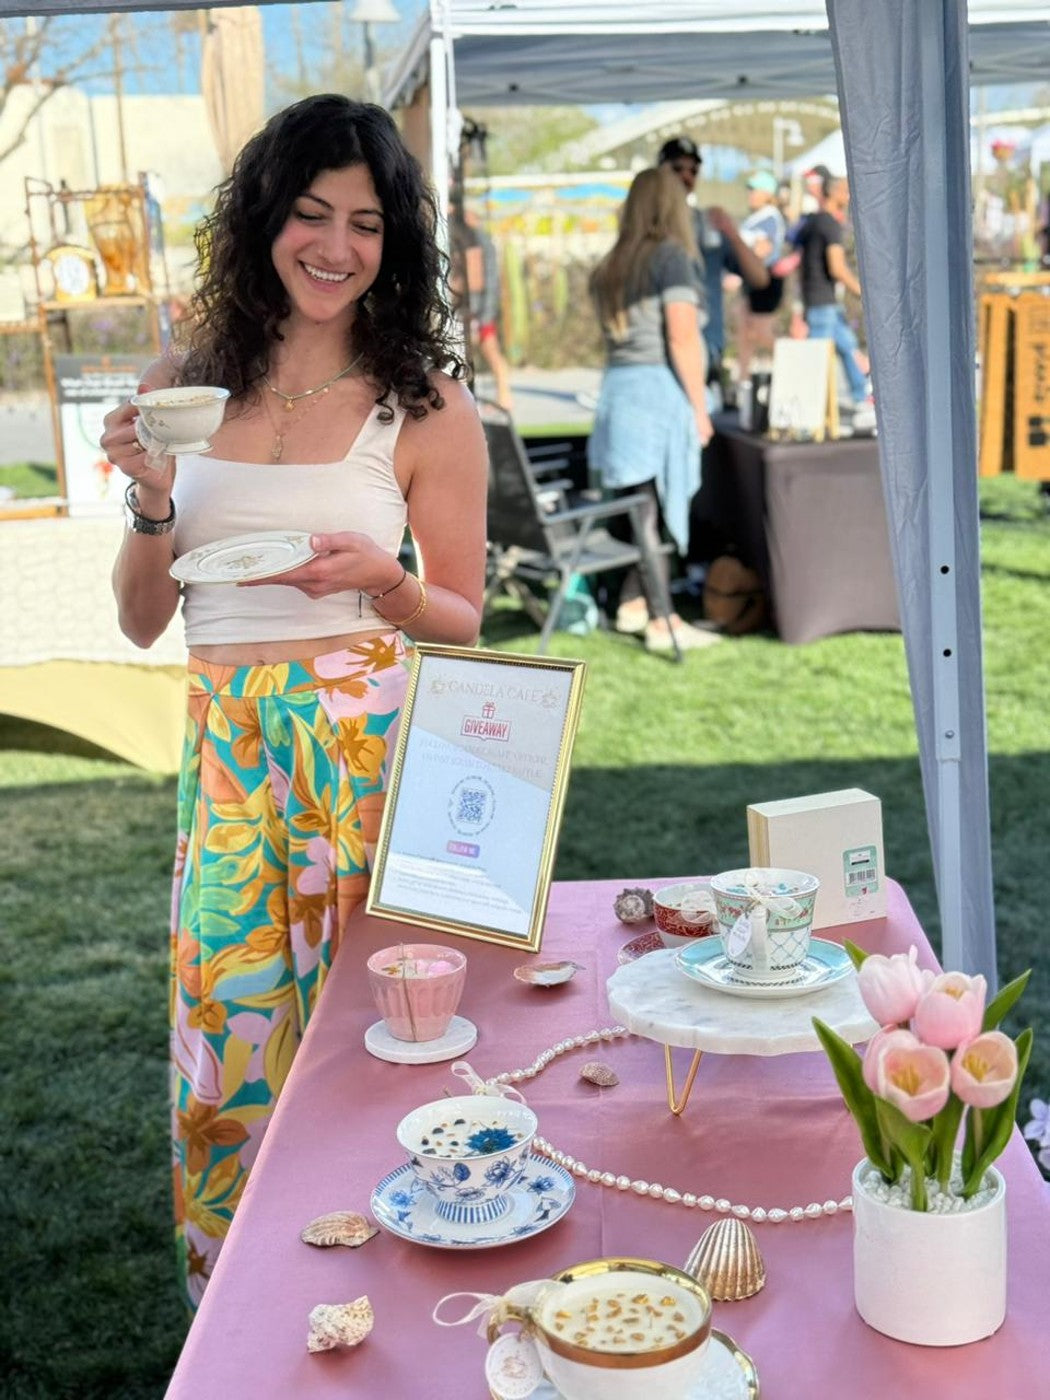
(319, 310)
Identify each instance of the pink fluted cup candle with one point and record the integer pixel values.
(417, 987)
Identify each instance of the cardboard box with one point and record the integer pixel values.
(836, 836)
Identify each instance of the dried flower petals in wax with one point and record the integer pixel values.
(463, 1137)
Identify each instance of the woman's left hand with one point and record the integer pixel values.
(342, 562)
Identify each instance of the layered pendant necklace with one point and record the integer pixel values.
(291, 401)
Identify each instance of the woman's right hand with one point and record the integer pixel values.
(153, 473)
(704, 427)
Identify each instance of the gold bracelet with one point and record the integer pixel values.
(417, 610)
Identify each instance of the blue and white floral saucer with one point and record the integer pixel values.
(403, 1205)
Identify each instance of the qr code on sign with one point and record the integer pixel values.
(471, 809)
(471, 805)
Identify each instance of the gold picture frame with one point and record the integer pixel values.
(476, 793)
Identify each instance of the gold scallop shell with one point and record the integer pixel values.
(728, 1261)
(546, 974)
(340, 1324)
(340, 1227)
(596, 1073)
(633, 905)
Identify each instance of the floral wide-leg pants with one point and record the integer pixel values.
(280, 799)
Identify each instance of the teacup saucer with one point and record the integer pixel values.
(403, 1205)
(707, 964)
(728, 1374)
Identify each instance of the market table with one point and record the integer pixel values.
(759, 1131)
(809, 517)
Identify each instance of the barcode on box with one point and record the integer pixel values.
(860, 869)
(861, 877)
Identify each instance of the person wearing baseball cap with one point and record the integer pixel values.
(720, 246)
(763, 231)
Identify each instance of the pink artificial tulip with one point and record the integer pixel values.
(891, 987)
(890, 1037)
(915, 1079)
(985, 1070)
(951, 1010)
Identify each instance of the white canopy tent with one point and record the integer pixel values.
(902, 70)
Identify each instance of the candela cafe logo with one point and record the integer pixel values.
(486, 725)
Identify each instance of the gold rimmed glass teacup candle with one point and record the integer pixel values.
(619, 1328)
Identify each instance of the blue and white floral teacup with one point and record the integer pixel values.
(469, 1152)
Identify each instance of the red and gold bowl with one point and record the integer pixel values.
(684, 913)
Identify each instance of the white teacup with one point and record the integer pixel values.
(617, 1329)
(179, 419)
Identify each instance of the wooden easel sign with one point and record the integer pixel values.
(803, 392)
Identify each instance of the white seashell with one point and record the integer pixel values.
(339, 1227)
(727, 1260)
(546, 974)
(597, 1073)
(633, 906)
(340, 1324)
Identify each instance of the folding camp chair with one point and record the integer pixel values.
(535, 536)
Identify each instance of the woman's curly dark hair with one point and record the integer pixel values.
(402, 327)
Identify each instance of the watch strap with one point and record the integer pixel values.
(142, 524)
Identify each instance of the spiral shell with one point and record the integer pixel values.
(596, 1073)
(728, 1261)
(633, 905)
(340, 1324)
(340, 1227)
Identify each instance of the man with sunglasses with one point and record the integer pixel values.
(720, 248)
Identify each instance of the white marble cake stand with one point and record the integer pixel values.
(653, 999)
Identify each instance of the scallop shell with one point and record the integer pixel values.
(728, 1261)
(633, 906)
(340, 1227)
(340, 1324)
(596, 1073)
(546, 974)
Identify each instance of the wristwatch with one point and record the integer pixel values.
(142, 524)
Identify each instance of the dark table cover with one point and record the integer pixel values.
(810, 519)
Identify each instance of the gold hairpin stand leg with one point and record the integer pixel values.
(677, 1105)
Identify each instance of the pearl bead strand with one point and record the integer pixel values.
(773, 1215)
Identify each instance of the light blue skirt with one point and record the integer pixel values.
(644, 430)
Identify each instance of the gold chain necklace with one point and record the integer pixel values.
(290, 405)
(290, 400)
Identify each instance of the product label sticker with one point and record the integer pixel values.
(512, 1367)
(739, 936)
(860, 871)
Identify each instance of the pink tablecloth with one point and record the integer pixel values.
(768, 1132)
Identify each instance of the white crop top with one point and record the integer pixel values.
(215, 498)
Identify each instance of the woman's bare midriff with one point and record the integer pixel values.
(270, 653)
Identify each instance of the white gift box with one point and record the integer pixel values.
(836, 836)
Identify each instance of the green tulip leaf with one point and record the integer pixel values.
(857, 955)
(912, 1140)
(1001, 1003)
(861, 1102)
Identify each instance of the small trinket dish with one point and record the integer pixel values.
(727, 1261)
(633, 905)
(546, 974)
(344, 1227)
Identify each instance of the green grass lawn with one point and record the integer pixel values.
(666, 761)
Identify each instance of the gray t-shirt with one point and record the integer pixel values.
(670, 277)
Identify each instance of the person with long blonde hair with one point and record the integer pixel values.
(652, 420)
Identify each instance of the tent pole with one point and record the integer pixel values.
(940, 445)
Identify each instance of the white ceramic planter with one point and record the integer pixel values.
(936, 1280)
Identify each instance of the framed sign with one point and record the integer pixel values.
(476, 793)
(803, 394)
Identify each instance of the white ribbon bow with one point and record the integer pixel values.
(751, 931)
(476, 1085)
(491, 1307)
